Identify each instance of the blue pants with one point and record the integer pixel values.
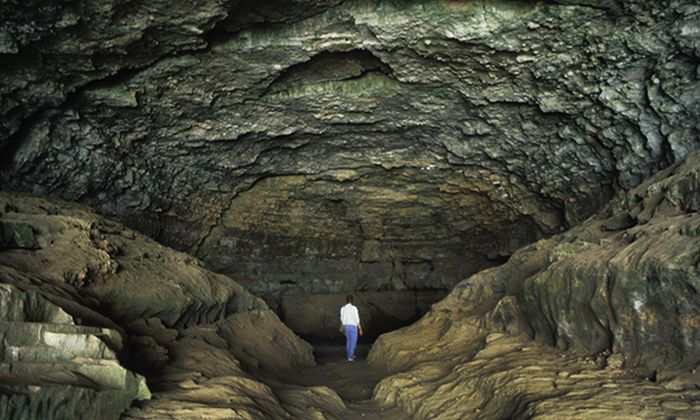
(350, 340)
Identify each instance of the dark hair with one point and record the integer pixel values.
(348, 298)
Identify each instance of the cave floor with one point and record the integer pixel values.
(353, 381)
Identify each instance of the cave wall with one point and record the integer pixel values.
(307, 147)
(52, 368)
(85, 302)
(600, 321)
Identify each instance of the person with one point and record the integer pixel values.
(350, 326)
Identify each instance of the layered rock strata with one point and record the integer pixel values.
(308, 147)
(600, 321)
(52, 368)
(206, 346)
(321, 148)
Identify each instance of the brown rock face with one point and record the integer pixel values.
(198, 337)
(589, 306)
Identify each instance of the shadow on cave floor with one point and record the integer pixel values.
(314, 318)
(353, 381)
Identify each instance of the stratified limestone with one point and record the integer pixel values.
(509, 379)
(357, 145)
(51, 368)
(602, 323)
(53, 50)
(131, 276)
(321, 147)
(206, 346)
(209, 373)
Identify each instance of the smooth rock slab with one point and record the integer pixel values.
(59, 370)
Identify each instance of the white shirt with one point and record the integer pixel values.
(349, 315)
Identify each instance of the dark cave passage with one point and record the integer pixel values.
(352, 381)
(315, 317)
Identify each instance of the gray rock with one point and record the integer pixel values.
(567, 323)
(17, 235)
(438, 133)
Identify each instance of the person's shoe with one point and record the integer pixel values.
(351, 359)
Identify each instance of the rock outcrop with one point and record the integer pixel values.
(204, 344)
(52, 368)
(600, 321)
(327, 147)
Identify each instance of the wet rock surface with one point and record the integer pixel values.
(589, 323)
(336, 146)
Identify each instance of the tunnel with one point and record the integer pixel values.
(195, 187)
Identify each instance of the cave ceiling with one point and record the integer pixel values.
(341, 145)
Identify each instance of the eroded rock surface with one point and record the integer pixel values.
(601, 321)
(305, 147)
(356, 145)
(206, 346)
(52, 368)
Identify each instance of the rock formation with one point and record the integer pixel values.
(273, 156)
(316, 148)
(198, 336)
(41, 347)
(568, 326)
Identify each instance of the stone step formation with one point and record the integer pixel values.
(203, 343)
(53, 368)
